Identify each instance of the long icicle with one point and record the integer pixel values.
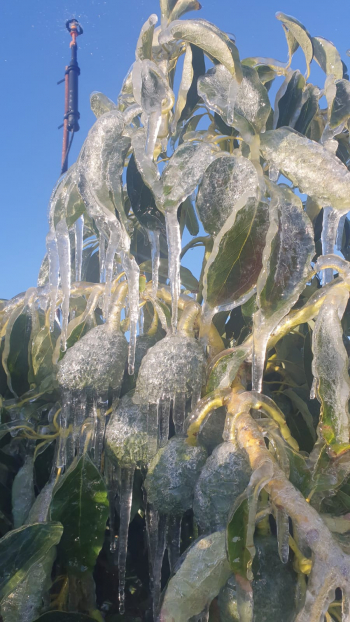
(63, 246)
(174, 246)
(79, 239)
(132, 272)
(125, 499)
(153, 237)
(173, 540)
(54, 274)
(331, 219)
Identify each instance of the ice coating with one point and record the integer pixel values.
(63, 248)
(282, 522)
(79, 239)
(330, 368)
(174, 250)
(126, 434)
(153, 237)
(97, 360)
(309, 166)
(54, 274)
(172, 475)
(132, 272)
(225, 181)
(331, 219)
(224, 477)
(100, 104)
(245, 106)
(23, 492)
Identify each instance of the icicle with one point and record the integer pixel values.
(52, 253)
(152, 428)
(79, 239)
(179, 413)
(79, 400)
(173, 540)
(100, 408)
(164, 418)
(102, 257)
(153, 237)
(65, 448)
(112, 486)
(274, 173)
(111, 251)
(331, 220)
(339, 240)
(132, 272)
(282, 522)
(63, 246)
(126, 484)
(156, 529)
(174, 246)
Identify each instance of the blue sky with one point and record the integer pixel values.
(34, 50)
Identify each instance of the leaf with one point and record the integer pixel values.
(300, 405)
(142, 200)
(186, 276)
(309, 108)
(184, 6)
(21, 548)
(63, 616)
(185, 84)
(80, 503)
(225, 181)
(340, 110)
(289, 103)
(183, 172)
(328, 57)
(292, 249)
(198, 69)
(43, 346)
(233, 267)
(190, 217)
(23, 492)
(300, 475)
(145, 40)
(199, 579)
(225, 369)
(236, 537)
(245, 106)
(100, 104)
(207, 37)
(300, 34)
(330, 368)
(309, 166)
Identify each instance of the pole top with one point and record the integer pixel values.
(74, 29)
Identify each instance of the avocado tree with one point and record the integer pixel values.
(177, 449)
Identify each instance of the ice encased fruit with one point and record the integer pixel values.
(97, 360)
(172, 475)
(224, 476)
(174, 365)
(273, 587)
(126, 434)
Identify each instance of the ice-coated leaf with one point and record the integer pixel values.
(309, 108)
(292, 249)
(23, 492)
(223, 184)
(203, 573)
(43, 345)
(207, 37)
(186, 276)
(183, 172)
(235, 263)
(80, 503)
(21, 549)
(100, 104)
(315, 170)
(330, 368)
(184, 6)
(288, 105)
(142, 200)
(340, 110)
(66, 201)
(144, 43)
(239, 556)
(31, 595)
(224, 371)
(328, 57)
(198, 69)
(191, 221)
(244, 106)
(300, 34)
(185, 85)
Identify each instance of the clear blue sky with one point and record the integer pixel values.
(34, 50)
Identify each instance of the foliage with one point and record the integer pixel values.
(104, 468)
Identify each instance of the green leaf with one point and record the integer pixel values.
(43, 345)
(236, 536)
(21, 549)
(190, 217)
(300, 405)
(328, 57)
(309, 108)
(184, 6)
(340, 110)
(300, 475)
(198, 69)
(186, 276)
(298, 31)
(224, 371)
(290, 102)
(225, 181)
(199, 579)
(209, 38)
(63, 616)
(23, 492)
(80, 503)
(142, 200)
(145, 40)
(235, 263)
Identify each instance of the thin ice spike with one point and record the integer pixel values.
(126, 484)
(79, 239)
